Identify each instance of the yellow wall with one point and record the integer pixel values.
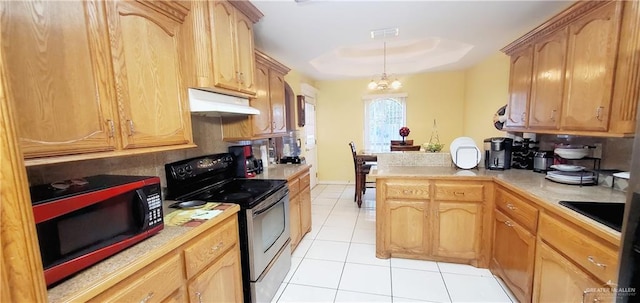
(295, 79)
(340, 116)
(486, 90)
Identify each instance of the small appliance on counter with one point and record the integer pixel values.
(523, 153)
(542, 160)
(497, 153)
(245, 163)
(81, 222)
(292, 160)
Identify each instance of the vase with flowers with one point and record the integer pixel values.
(404, 132)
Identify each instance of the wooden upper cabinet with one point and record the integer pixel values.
(224, 58)
(519, 88)
(586, 71)
(225, 45)
(152, 99)
(548, 81)
(278, 108)
(262, 122)
(57, 63)
(591, 62)
(269, 99)
(245, 50)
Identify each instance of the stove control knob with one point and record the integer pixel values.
(180, 171)
(188, 168)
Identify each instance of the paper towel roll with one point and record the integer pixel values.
(264, 155)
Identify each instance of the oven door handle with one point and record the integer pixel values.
(264, 209)
(143, 205)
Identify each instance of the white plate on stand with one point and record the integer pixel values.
(568, 168)
(466, 156)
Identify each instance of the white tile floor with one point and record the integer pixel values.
(336, 262)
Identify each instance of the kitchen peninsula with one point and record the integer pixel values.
(509, 221)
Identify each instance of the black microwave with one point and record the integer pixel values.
(80, 222)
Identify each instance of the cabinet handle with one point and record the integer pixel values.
(435, 213)
(508, 223)
(458, 193)
(599, 113)
(112, 128)
(406, 191)
(217, 247)
(553, 116)
(149, 296)
(593, 260)
(523, 117)
(131, 129)
(241, 78)
(199, 295)
(511, 207)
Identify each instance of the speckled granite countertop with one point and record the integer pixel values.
(282, 171)
(135, 257)
(544, 192)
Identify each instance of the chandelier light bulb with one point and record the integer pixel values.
(372, 85)
(396, 84)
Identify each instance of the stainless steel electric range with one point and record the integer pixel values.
(263, 219)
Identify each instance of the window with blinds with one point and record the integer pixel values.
(384, 116)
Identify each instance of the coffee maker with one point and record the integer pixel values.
(497, 153)
(246, 165)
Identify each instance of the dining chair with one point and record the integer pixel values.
(399, 142)
(405, 147)
(361, 166)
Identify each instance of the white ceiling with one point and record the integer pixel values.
(331, 39)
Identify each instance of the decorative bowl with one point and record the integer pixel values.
(571, 153)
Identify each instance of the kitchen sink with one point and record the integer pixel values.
(607, 213)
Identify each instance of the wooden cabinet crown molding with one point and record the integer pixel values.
(557, 22)
(247, 8)
(271, 63)
(176, 10)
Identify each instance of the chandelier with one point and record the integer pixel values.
(384, 83)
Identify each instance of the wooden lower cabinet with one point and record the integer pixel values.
(407, 231)
(433, 219)
(299, 206)
(559, 280)
(513, 255)
(457, 230)
(205, 268)
(221, 282)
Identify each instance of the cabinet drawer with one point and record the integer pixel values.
(459, 191)
(305, 180)
(517, 209)
(294, 187)
(206, 249)
(407, 189)
(152, 284)
(585, 250)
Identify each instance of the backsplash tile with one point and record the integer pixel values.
(207, 134)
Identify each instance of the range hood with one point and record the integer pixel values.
(212, 104)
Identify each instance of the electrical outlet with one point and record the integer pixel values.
(597, 152)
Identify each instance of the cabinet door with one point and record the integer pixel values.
(593, 41)
(278, 110)
(305, 210)
(152, 98)
(294, 223)
(224, 54)
(559, 280)
(262, 122)
(56, 58)
(457, 229)
(245, 52)
(513, 253)
(407, 231)
(221, 282)
(519, 88)
(548, 81)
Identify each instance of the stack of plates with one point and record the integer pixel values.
(464, 153)
(568, 177)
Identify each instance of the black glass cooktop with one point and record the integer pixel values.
(245, 192)
(607, 213)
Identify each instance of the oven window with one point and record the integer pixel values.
(272, 226)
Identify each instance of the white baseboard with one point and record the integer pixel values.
(340, 182)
